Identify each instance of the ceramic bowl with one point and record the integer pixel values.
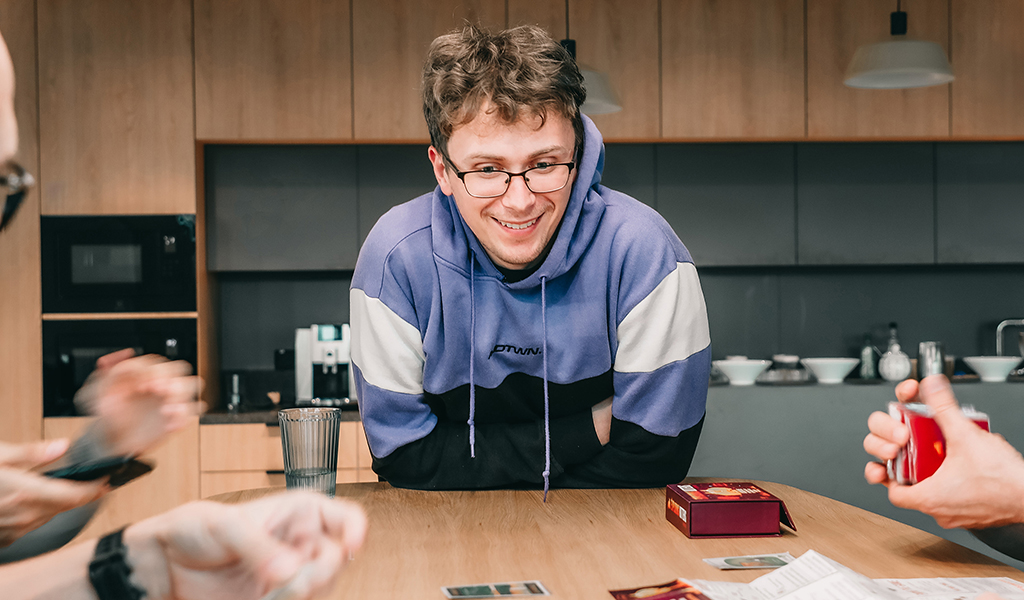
(830, 370)
(992, 369)
(742, 372)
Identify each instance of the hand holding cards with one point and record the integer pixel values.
(926, 449)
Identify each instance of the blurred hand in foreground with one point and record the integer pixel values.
(291, 545)
(28, 499)
(980, 483)
(138, 400)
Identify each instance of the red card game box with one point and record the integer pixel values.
(925, 451)
(732, 509)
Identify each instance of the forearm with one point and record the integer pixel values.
(636, 458)
(60, 575)
(506, 454)
(64, 574)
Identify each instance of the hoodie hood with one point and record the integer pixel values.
(453, 239)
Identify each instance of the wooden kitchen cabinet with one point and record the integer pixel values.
(273, 70)
(865, 204)
(390, 39)
(173, 482)
(116, 97)
(548, 15)
(732, 69)
(620, 39)
(240, 456)
(835, 29)
(21, 352)
(988, 61)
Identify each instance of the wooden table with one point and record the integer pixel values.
(585, 542)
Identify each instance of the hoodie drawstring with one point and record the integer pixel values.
(472, 339)
(546, 474)
(547, 413)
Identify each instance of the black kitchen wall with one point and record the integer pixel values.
(802, 248)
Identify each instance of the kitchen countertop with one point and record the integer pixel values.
(269, 417)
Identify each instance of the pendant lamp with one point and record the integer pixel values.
(898, 62)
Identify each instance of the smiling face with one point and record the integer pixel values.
(513, 228)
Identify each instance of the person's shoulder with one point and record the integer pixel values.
(401, 235)
(638, 228)
(400, 222)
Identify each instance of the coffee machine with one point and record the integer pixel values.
(323, 373)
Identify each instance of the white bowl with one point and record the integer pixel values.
(992, 369)
(830, 370)
(742, 372)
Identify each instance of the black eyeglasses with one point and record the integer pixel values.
(14, 180)
(491, 183)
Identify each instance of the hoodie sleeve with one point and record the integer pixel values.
(661, 369)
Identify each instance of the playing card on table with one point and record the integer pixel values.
(496, 590)
(752, 561)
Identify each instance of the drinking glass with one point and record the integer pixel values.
(309, 441)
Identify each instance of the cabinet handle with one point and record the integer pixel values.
(274, 424)
(275, 472)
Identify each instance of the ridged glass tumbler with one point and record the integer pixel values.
(309, 441)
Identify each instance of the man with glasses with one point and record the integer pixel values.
(523, 325)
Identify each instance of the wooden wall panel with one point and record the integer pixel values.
(732, 69)
(835, 29)
(988, 61)
(390, 42)
(21, 353)
(620, 38)
(116, 107)
(549, 15)
(173, 482)
(273, 69)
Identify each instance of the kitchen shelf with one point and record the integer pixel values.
(119, 316)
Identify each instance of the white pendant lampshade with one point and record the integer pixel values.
(601, 98)
(899, 63)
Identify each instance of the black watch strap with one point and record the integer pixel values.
(109, 570)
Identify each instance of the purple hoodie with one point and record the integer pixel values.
(467, 381)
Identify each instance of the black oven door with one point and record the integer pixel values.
(118, 264)
(70, 350)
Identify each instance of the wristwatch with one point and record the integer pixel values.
(109, 570)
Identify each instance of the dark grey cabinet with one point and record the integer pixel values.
(388, 176)
(979, 199)
(864, 204)
(731, 204)
(629, 168)
(281, 208)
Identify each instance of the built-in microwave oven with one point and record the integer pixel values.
(118, 264)
(70, 350)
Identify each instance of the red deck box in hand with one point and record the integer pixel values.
(926, 449)
(722, 510)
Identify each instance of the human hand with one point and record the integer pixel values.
(602, 414)
(27, 499)
(980, 483)
(138, 401)
(295, 540)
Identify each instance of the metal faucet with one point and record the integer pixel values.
(999, 332)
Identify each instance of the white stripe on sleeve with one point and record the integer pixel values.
(387, 349)
(670, 324)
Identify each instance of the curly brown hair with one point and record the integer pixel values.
(518, 71)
